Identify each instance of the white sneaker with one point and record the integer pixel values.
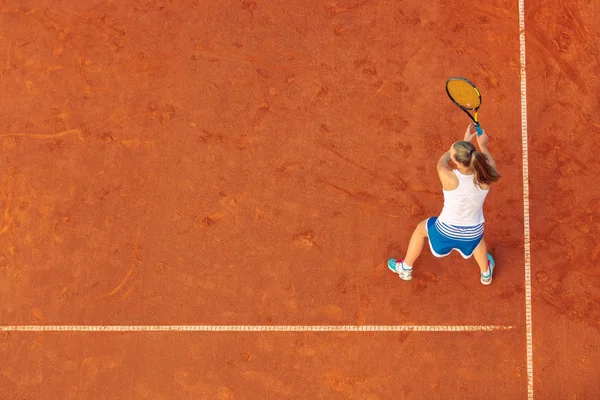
(487, 279)
(398, 268)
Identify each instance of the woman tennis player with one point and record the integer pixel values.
(460, 225)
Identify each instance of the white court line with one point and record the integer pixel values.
(254, 328)
(526, 231)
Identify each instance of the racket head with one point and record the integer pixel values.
(463, 93)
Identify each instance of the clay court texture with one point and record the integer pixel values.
(199, 198)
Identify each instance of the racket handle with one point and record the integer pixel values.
(479, 130)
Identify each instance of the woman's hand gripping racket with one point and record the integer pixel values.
(465, 95)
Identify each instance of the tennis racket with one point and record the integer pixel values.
(465, 95)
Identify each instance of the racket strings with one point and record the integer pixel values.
(464, 94)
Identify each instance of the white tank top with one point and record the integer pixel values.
(463, 206)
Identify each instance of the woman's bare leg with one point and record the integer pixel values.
(416, 243)
(480, 255)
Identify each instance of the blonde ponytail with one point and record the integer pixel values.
(468, 156)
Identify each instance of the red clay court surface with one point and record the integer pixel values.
(255, 163)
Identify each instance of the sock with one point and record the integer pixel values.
(406, 266)
(488, 273)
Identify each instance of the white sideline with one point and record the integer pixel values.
(254, 328)
(526, 231)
